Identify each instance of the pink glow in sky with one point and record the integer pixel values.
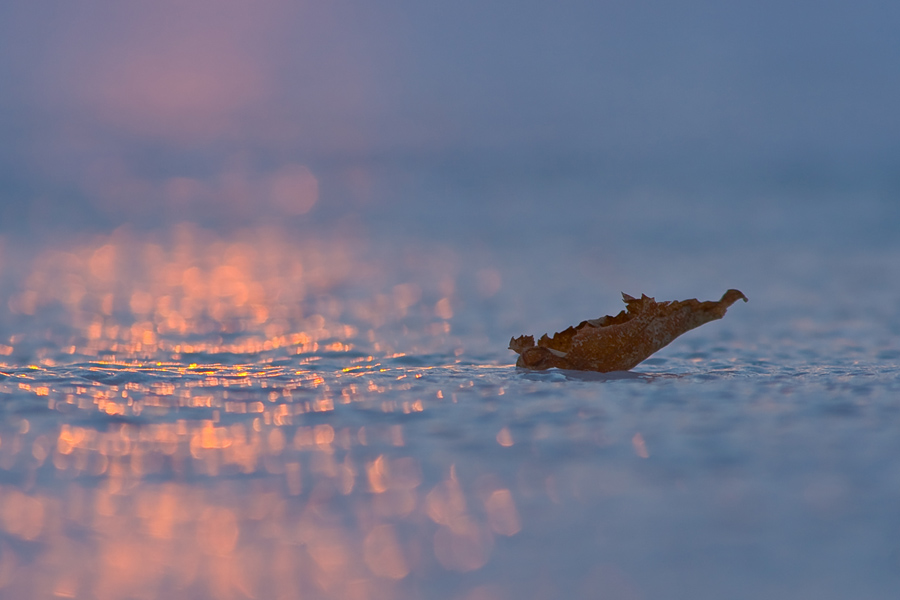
(196, 72)
(196, 108)
(204, 75)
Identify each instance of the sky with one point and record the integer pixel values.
(223, 112)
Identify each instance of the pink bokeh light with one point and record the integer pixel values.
(246, 91)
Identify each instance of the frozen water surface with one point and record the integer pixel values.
(307, 393)
(259, 415)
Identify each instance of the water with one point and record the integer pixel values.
(260, 414)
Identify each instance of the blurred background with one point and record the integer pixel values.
(512, 142)
(223, 112)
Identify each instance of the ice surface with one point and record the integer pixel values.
(193, 415)
(306, 393)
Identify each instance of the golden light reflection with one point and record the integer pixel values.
(23, 515)
(383, 554)
(218, 530)
(464, 547)
(190, 291)
(192, 432)
(640, 446)
(502, 513)
(267, 522)
(504, 437)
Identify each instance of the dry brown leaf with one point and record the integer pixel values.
(619, 343)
